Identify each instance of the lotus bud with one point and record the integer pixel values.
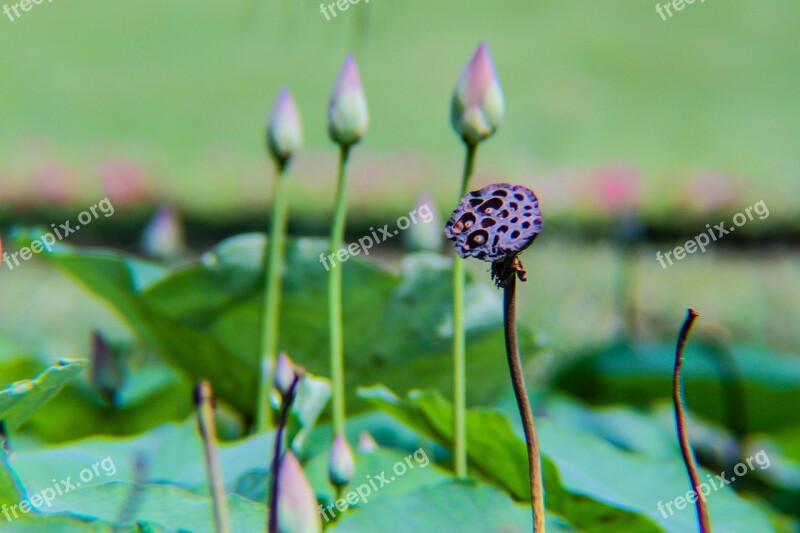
(285, 133)
(297, 503)
(478, 106)
(284, 373)
(341, 464)
(164, 237)
(366, 442)
(347, 111)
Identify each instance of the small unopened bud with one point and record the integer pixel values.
(366, 442)
(285, 133)
(164, 236)
(347, 111)
(297, 503)
(341, 464)
(284, 373)
(478, 106)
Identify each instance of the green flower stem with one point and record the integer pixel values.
(335, 297)
(459, 341)
(704, 522)
(525, 412)
(272, 297)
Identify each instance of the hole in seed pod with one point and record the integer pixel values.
(526, 225)
(466, 221)
(519, 196)
(475, 201)
(495, 240)
(513, 206)
(514, 220)
(500, 192)
(527, 214)
(488, 222)
(503, 214)
(478, 238)
(502, 229)
(490, 206)
(515, 234)
(528, 207)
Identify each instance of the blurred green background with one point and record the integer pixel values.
(167, 101)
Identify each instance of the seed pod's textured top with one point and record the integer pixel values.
(496, 222)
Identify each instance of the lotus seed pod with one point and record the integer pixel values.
(495, 223)
(347, 111)
(478, 106)
(341, 465)
(284, 373)
(297, 502)
(284, 134)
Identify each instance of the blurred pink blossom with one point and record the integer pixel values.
(53, 183)
(615, 187)
(712, 190)
(124, 181)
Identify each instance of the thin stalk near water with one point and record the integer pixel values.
(347, 124)
(703, 520)
(283, 139)
(495, 224)
(476, 111)
(204, 402)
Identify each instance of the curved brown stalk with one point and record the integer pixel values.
(204, 400)
(509, 285)
(680, 423)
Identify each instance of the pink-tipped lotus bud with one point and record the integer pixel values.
(285, 133)
(341, 464)
(284, 373)
(366, 442)
(297, 503)
(164, 237)
(478, 106)
(347, 111)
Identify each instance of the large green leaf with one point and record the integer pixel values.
(584, 465)
(206, 318)
(747, 389)
(20, 400)
(160, 506)
(449, 506)
(497, 454)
